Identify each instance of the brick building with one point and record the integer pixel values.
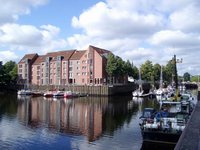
(64, 67)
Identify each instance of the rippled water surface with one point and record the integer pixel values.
(83, 123)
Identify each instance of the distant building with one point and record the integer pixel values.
(65, 67)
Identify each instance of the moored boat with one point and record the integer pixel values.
(48, 94)
(58, 94)
(68, 94)
(167, 124)
(24, 92)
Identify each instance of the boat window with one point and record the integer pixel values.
(147, 114)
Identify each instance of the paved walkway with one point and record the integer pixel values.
(190, 138)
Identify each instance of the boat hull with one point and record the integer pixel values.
(22, 92)
(161, 136)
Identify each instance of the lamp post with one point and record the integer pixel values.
(175, 73)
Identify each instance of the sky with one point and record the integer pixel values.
(135, 30)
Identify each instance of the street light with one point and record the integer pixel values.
(175, 73)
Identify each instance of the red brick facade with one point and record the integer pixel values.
(65, 67)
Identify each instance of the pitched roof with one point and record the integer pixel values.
(39, 60)
(28, 56)
(66, 54)
(77, 55)
(99, 50)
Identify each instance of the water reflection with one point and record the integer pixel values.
(89, 116)
(87, 122)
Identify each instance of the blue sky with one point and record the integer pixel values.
(57, 13)
(137, 30)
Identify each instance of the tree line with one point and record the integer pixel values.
(150, 72)
(8, 73)
(117, 70)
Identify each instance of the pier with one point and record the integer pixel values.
(190, 138)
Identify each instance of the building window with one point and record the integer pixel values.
(70, 68)
(84, 67)
(89, 55)
(20, 70)
(20, 66)
(84, 62)
(70, 75)
(84, 73)
(83, 80)
(38, 67)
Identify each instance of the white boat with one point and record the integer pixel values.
(138, 92)
(24, 92)
(49, 94)
(160, 91)
(167, 124)
(58, 94)
(68, 94)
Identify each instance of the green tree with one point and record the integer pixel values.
(135, 72)
(13, 73)
(156, 72)
(186, 76)
(111, 66)
(128, 68)
(147, 71)
(8, 73)
(168, 72)
(120, 67)
(8, 66)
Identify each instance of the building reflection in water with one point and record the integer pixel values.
(89, 116)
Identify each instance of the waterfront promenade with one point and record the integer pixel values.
(190, 138)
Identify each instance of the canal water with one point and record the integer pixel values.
(86, 123)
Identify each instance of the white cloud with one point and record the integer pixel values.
(175, 39)
(137, 30)
(15, 34)
(7, 56)
(186, 19)
(108, 22)
(11, 9)
(141, 30)
(23, 37)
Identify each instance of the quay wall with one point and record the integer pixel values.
(93, 90)
(190, 138)
(101, 90)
